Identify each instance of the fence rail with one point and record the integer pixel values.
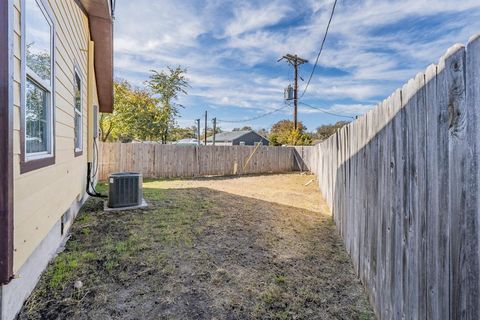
(170, 161)
(402, 182)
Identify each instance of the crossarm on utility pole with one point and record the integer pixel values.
(295, 61)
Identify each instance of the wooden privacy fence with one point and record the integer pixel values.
(402, 183)
(169, 161)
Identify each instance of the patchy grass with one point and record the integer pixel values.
(205, 249)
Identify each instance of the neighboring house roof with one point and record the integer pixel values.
(100, 19)
(230, 136)
(186, 141)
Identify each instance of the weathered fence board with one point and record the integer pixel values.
(170, 161)
(472, 232)
(402, 184)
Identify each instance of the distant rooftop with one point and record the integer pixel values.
(186, 141)
(229, 136)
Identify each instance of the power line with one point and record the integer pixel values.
(254, 118)
(321, 48)
(328, 112)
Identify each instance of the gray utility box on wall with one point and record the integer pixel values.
(125, 190)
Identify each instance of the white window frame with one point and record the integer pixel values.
(76, 74)
(29, 74)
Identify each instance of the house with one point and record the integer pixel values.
(56, 70)
(187, 141)
(247, 138)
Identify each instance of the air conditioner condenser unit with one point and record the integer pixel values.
(125, 190)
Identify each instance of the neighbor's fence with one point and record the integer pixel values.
(169, 161)
(402, 183)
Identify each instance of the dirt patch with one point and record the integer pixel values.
(295, 190)
(205, 249)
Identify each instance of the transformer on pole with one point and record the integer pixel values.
(295, 61)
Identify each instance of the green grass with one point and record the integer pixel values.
(65, 266)
(279, 279)
(116, 246)
(190, 242)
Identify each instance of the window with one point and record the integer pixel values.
(37, 82)
(36, 118)
(78, 112)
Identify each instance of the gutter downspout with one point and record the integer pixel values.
(6, 141)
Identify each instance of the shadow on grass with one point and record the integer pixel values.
(199, 253)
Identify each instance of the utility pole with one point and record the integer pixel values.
(295, 61)
(198, 131)
(214, 120)
(206, 127)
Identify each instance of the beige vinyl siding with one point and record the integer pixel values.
(42, 196)
(16, 84)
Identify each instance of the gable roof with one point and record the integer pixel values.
(230, 136)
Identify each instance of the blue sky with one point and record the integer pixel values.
(231, 48)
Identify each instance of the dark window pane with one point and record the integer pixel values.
(78, 132)
(78, 112)
(78, 93)
(36, 118)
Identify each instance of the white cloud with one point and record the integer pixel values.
(347, 110)
(351, 109)
(335, 89)
(147, 25)
(378, 45)
(250, 17)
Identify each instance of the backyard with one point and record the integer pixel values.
(208, 248)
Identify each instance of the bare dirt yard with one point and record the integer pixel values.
(255, 247)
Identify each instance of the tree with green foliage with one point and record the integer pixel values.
(244, 128)
(39, 62)
(283, 132)
(299, 138)
(263, 132)
(148, 113)
(325, 131)
(210, 132)
(136, 115)
(112, 125)
(183, 133)
(168, 86)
